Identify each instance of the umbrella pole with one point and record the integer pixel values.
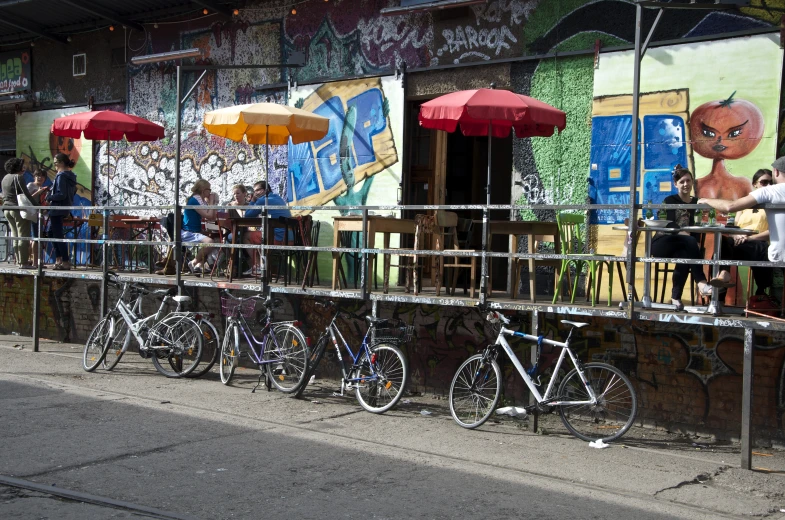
(484, 262)
(105, 237)
(264, 213)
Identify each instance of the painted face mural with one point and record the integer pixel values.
(726, 129)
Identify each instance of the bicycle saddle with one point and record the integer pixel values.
(376, 321)
(576, 324)
(181, 299)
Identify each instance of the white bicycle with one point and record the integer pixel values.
(595, 400)
(174, 343)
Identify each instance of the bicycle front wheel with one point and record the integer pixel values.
(315, 356)
(176, 344)
(382, 378)
(475, 391)
(230, 353)
(287, 354)
(97, 342)
(115, 350)
(210, 349)
(613, 413)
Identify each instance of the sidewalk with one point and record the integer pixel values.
(685, 477)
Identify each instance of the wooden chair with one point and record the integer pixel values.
(424, 224)
(518, 264)
(456, 235)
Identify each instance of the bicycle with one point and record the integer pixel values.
(379, 371)
(595, 400)
(175, 338)
(210, 338)
(282, 352)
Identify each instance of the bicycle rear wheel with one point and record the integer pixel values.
(97, 342)
(314, 358)
(380, 388)
(115, 350)
(210, 349)
(287, 350)
(475, 391)
(230, 353)
(616, 406)
(176, 344)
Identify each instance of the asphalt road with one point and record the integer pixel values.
(132, 444)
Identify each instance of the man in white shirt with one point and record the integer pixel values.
(774, 194)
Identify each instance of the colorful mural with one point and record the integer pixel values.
(690, 102)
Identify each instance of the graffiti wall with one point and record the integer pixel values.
(357, 162)
(37, 146)
(699, 108)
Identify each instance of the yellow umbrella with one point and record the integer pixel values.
(266, 123)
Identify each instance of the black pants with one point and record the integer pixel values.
(56, 231)
(679, 246)
(753, 250)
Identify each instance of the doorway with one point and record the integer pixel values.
(451, 168)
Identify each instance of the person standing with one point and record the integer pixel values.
(13, 190)
(774, 194)
(37, 192)
(682, 244)
(61, 194)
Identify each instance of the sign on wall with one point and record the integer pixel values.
(14, 71)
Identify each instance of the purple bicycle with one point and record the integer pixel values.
(282, 352)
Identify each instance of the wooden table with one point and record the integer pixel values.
(376, 224)
(548, 231)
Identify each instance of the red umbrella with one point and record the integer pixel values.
(109, 125)
(493, 113)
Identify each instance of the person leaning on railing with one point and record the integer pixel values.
(13, 189)
(753, 247)
(774, 194)
(682, 244)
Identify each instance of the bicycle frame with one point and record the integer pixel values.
(249, 336)
(334, 335)
(131, 316)
(545, 398)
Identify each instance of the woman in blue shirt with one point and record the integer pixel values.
(201, 195)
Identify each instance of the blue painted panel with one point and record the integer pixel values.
(371, 121)
(611, 138)
(664, 143)
(653, 183)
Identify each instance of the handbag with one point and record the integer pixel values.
(27, 214)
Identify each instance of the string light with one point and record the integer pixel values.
(294, 11)
(236, 12)
(111, 27)
(205, 11)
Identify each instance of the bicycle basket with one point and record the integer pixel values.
(394, 331)
(243, 307)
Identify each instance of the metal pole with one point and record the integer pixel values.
(484, 265)
(37, 285)
(364, 263)
(636, 85)
(178, 248)
(104, 262)
(264, 213)
(746, 399)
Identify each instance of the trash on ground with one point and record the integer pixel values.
(311, 381)
(512, 411)
(425, 412)
(316, 402)
(406, 401)
(599, 444)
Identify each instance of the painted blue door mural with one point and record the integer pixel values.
(609, 179)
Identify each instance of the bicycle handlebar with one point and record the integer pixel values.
(269, 302)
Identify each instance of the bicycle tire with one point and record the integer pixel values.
(96, 345)
(615, 396)
(115, 350)
(470, 407)
(210, 348)
(288, 351)
(230, 353)
(182, 341)
(379, 394)
(314, 359)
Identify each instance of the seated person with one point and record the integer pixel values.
(682, 244)
(753, 247)
(201, 195)
(255, 237)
